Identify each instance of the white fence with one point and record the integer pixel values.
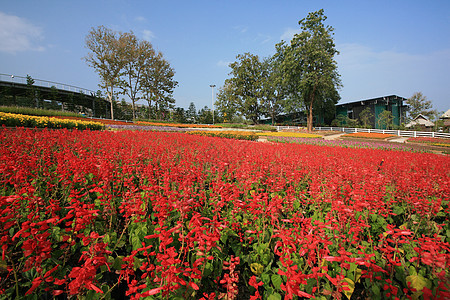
(404, 133)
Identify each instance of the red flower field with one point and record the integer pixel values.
(113, 215)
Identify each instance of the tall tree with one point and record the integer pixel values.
(191, 113)
(31, 92)
(273, 91)
(309, 68)
(246, 85)
(136, 56)
(227, 102)
(205, 115)
(104, 57)
(158, 83)
(418, 104)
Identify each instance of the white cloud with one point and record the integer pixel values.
(289, 33)
(148, 35)
(222, 63)
(264, 38)
(240, 28)
(140, 19)
(17, 34)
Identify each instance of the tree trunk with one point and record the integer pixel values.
(134, 110)
(149, 110)
(310, 118)
(273, 117)
(110, 96)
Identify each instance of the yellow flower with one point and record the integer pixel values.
(256, 268)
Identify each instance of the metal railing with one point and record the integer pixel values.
(44, 83)
(405, 133)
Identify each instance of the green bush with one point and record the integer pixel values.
(37, 111)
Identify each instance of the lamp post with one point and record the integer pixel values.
(212, 87)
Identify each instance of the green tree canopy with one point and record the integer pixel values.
(226, 102)
(308, 65)
(245, 87)
(418, 104)
(136, 57)
(385, 120)
(273, 91)
(365, 116)
(123, 61)
(191, 113)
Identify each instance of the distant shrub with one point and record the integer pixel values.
(37, 111)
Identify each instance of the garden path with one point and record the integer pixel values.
(333, 136)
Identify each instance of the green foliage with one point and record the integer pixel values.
(179, 115)
(37, 111)
(233, 125)
(191, 113)
(308, 64)
(245, 88)
(365, 116)
(125, 62)
(205, 116)
(418, 104)
(385, 120)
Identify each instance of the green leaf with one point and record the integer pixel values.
(106, 239)
(117, 265)
(265, 278)
(3, 265)
(376, 290)
(418, 282)
(274, 296)
(136, 242)
(277, 281)
(412, 270)
(400, 274)
(398, 210)
(416, 295)
(351, 286)
(208, 269)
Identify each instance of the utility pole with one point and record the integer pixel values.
(212, 87)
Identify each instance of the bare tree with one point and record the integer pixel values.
(104, 57)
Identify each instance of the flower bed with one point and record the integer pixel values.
(131, 214)
(367, 135)
(177, 125)
(229, 134)
(343, 143)
(103, 121)
(430, 141)
(289, 134)
(17, 120)
(131, 126)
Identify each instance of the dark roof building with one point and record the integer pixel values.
(392, 103)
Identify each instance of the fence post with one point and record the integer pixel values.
(415, 133)
(432, 134)
(398, 132)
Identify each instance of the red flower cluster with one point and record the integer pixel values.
(135, 214)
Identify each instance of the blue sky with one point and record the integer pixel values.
(386, 47)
